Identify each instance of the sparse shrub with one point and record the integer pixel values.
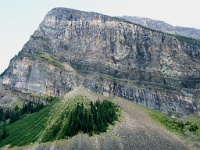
(193, 128)
(185, 128)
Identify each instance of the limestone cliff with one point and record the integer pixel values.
(109, 56)
(164, 27)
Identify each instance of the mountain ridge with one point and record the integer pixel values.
(109, 56)
(74, 52)
(164, 27)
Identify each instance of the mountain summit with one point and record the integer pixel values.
(108, 56)
(111, 57)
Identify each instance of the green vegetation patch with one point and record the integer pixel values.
(187, 128)
(51, 59)
(83, 116)
(187, 40)
(25, 130)
(63, 118)
(11, 115)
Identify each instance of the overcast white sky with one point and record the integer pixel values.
(19, 18)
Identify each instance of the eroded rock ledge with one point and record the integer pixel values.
(109, 56)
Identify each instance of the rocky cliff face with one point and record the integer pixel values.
(109, 56)
(164, 27)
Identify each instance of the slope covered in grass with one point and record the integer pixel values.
(187, 128)
(26, 130)
(62, 119)
(136, 129)
(82, 115)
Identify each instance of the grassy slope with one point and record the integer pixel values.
(26, 130)
(172, 125)
(180, 127)
(51, 59)
(32, 128)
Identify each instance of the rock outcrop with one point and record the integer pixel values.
(109, 56)
(164, 27)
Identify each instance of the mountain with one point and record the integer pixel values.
(108, 56)
(134, 130)
(164, 27)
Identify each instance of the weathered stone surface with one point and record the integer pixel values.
(28, 75)
(108, 56)
(165, 27)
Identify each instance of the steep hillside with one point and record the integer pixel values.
(164, 27)
(108, 56)
(134, 130)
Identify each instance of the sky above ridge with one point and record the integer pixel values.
(20, 18)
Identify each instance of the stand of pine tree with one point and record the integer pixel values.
(91, 119)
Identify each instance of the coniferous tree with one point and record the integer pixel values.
(4, 132)
(90, 120)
